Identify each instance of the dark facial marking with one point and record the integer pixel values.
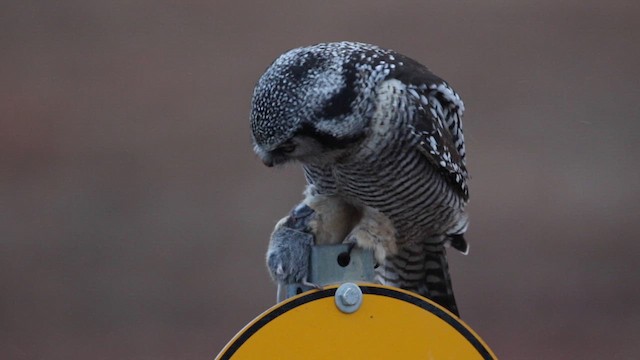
(286, 148)
(297, 72)
(328, 140)
(341, 102)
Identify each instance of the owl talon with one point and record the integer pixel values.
(351, 247)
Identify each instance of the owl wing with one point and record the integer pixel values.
(438, 128)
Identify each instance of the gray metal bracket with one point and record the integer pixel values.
(333, 264)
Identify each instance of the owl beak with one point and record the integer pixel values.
(265, 156)
(268, 161)
(274, 158)
(270, 158)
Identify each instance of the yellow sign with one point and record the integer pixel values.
(390, 324)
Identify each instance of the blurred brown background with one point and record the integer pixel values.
(134, 216)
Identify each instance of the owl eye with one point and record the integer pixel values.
(287, 147)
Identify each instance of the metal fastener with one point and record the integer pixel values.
(348, 298)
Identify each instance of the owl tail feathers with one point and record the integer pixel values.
(423, 269)
(437, 278)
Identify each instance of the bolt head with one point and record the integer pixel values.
(348, 298)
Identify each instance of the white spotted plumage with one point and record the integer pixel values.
(378, 133)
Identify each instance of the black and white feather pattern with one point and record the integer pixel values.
(438, 111)
(376, 131)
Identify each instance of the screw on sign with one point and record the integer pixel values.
(348, 298)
